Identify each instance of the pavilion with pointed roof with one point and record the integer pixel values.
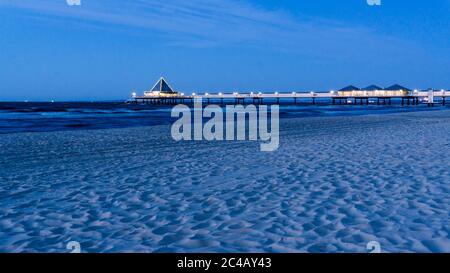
(350, 88)
(161, 88)
(397, 87)
(395, 90)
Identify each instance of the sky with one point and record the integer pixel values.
(106, 49)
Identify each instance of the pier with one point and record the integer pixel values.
(312, 98)
(163, 94)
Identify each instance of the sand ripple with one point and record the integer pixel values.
(335, 184)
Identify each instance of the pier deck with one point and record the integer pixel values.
(295, 98)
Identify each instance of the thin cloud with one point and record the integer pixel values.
(211, 22)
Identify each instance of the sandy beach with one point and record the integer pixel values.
(335, 184)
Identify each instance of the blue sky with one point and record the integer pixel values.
(104, 49)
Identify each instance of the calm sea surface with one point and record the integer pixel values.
(46, 116)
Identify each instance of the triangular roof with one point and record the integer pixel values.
(397, 87)
(373, 87)
(350, 88)
(162, 86)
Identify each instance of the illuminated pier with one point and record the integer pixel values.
(163, 94)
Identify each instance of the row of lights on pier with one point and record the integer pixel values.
(251, 93)
(332, 92)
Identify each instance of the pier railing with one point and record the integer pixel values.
(414, 98)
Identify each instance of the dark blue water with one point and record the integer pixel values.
(45, 116)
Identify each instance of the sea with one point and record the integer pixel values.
(16, 117)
